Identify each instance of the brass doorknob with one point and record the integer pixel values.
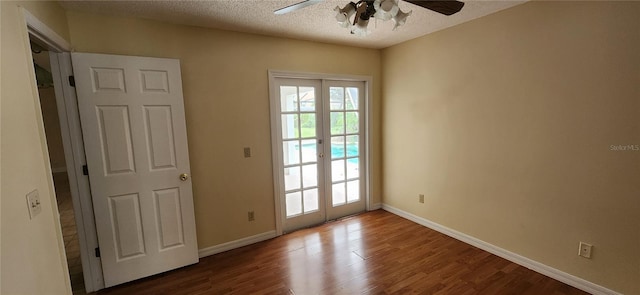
(184, 176)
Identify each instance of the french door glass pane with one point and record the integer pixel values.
(352, 168)
(309, 151)
(288, 98)
(336, 98)
(351, 120)
(353, 191)
(290, 126)
(292, 178)
(294, 203)
(337, 123)
(337, 170)
(337, 147)
(308, 125)
(352, 146)
(338, 194)
(307, 99)
(310, 200)
(310, 176)
(291, 152)
(351, 98)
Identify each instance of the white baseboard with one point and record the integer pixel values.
(236, 244)
(375, 206)
(546, 270)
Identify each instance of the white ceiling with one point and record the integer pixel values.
(315, 23)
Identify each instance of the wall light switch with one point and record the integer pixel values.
(247, 152)
(33, 202)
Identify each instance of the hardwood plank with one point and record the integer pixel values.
(372, 253)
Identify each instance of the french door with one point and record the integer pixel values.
(318, 130)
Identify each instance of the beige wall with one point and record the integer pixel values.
(225, 83)
(505, 124)
(52, 128)
(33, 259)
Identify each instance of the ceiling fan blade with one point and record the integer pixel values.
(296, 6)
(444, 7)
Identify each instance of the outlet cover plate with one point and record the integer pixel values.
(585, 250)
(33, 202)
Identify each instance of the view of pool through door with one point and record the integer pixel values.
(318, 131)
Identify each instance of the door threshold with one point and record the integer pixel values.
(343, 218)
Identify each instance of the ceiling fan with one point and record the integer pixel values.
(445, 7)
(362, 10)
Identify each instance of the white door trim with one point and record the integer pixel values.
(73, 146)
(272, 75)
(75, 159)
(45, 35)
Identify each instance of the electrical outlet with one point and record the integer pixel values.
(251, 216)
(33, 202)
(421, 198)
(585, 250)
(247, 152)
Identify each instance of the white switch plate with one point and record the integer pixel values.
(33, 202)
(585, 250)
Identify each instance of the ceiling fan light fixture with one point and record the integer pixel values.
(386, 9)
(344, 14)
(356, 15)
(360, 28)
(400, 18)
(380, 9)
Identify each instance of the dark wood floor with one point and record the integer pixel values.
(69, 232)
(373, 253)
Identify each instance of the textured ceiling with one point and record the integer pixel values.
(316, 22)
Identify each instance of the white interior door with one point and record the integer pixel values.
(133, 125)
(319, 143)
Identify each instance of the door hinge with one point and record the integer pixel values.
(85, 170)
(97, 251)
(72, 81)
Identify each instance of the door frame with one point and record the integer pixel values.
(73, 146)
(276, 157)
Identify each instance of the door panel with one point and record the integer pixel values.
(133, 124)
(169, 217)
(345, 124)
(159, 133)
(127, 224)
(298, 148)
(115, 136)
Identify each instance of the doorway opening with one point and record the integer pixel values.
(49, 109)
(320, 148)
